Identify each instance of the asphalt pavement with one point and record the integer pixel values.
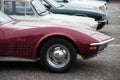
(105, 66)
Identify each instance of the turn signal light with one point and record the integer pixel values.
(93, 47)
(101, 8)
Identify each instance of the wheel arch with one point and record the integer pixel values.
(41, 42)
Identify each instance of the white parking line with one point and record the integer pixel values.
(117, 9)
(114, 45)
(118, 16)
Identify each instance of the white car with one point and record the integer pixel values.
(85, 4)
(34, 10)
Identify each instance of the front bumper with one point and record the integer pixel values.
(100, 47)
(101, 24)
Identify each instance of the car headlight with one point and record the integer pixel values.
(101, 8)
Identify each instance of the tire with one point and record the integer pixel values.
(58, 55)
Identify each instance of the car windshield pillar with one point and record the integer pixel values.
(53, 3)
(39, 7)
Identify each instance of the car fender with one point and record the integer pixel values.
(71, 38)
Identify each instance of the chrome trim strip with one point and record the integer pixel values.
(102, 21)
(16, 59)
(103, 42)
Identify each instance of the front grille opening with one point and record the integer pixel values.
(102, 47)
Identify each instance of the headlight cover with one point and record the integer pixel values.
(101, 8)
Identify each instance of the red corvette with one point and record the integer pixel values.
(55, 43)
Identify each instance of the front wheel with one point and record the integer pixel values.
(58, 55)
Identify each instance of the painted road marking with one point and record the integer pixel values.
(118, 16)
(117, 9)
(114, 45)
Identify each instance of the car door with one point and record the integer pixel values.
(14, 43)
(2, 42)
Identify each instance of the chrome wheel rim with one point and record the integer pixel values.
(58, 56)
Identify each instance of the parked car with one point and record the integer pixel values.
(34, 10)
(55, 7)
(55, 45)
(83, 4)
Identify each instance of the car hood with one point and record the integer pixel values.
(74, 19)
(16, 24)
(21, 25)
(95, 1)
(94, 5)
(58, 17)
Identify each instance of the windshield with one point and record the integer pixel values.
(53, 3)
(4, 18)
(39, 7)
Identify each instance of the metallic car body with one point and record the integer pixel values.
(22, 38)
(54, 43)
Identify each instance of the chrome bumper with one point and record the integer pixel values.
(102, 45)
(101, 24)
(103, 42)
(102, 21)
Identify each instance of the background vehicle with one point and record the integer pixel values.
(54, 7)
(25, 10)
(83, 4)
(56, 45)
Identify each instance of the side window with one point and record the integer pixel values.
(8, 7)
(17, 8)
